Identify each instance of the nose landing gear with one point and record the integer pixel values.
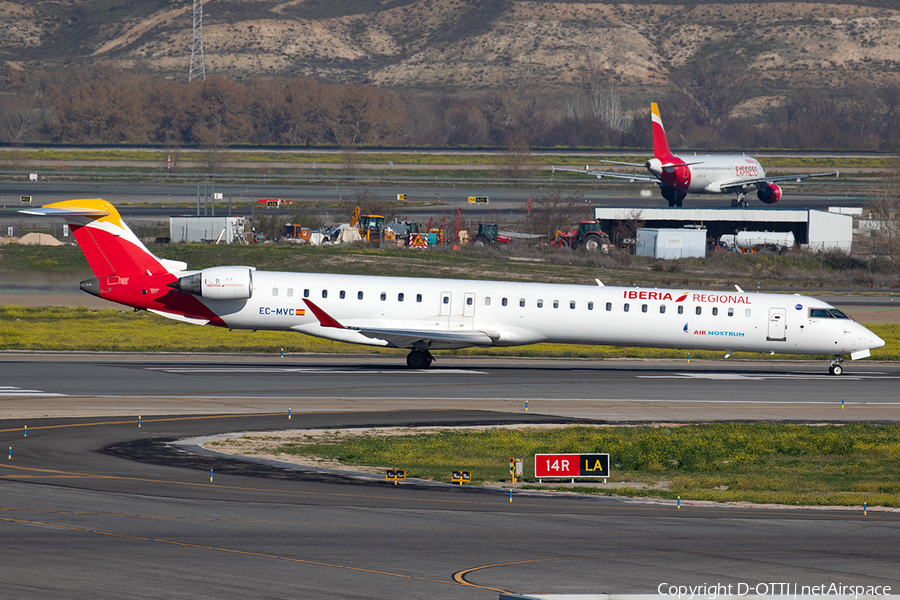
(836, 368)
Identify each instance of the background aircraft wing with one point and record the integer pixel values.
(612, 174)
(739, 183)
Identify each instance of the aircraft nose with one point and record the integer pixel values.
(875, 342)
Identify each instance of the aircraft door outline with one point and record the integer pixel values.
(446, 303)
(777, 325)
(468, 305)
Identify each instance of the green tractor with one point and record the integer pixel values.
(488, 234)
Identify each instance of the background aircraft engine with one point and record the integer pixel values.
(769, 193)
(218, 283)
(654, 165)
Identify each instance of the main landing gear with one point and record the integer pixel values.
(419, 359)
(836, 368)
(741, 201)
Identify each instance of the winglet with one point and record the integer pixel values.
(660, 142)
(324, 318)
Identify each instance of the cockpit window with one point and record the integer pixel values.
(826, 313)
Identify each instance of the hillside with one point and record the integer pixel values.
(467, 44)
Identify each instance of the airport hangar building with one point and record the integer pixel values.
(817, 230)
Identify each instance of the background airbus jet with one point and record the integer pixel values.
(423, 314)
(709, 174)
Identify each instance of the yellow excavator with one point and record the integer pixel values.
(371, 227)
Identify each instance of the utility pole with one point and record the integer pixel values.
(198, 64)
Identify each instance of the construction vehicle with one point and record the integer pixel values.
(589, 235)
(488, 234)
(294, 232)
(371, 227)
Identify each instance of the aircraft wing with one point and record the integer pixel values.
(738, 183)
(611, 174)
(405, 338)
(409, 338)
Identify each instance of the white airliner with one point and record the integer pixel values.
(710, 174)
(434, 314)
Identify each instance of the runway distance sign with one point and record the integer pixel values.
(571, 465)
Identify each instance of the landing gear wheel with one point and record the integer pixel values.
(835, 368)
(734, 203)
(419, 359)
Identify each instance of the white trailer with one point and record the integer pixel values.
(758, 240)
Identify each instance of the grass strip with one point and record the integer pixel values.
(835, 465)
(111, 330)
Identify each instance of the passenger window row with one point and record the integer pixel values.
(698, 310)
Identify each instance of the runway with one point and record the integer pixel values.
(80, 516)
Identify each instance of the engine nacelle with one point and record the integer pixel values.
(218, 283)
(654, 165)
(769, 193)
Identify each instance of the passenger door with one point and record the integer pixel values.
(777, 325)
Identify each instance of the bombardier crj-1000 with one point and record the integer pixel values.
(711, 174)
(435, 314)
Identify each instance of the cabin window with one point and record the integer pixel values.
(383, 296)
(698, 310)
(469, 301)
(400, 297)
(522, 302)
(274, 291)
(643, 308)
(446, 299)
(359, 295)
(572, 304)
(343, 294)
(324, 293)
(290, 292)
(556, 304)
(590, 306)
(715, 311)
(608, 306)
(662, 309)
(680, 310)
(730, 312)
(487, 300)
(540, 304)
(306, 293)
(626, 306)
(503, 302)
(746, 312)
(418, 297)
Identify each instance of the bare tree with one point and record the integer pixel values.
(716, 81)
(552, 211)
(213, 146)
(19, 121)
(515, 163)
(370, 203)
(883, 239)
(627, 229)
